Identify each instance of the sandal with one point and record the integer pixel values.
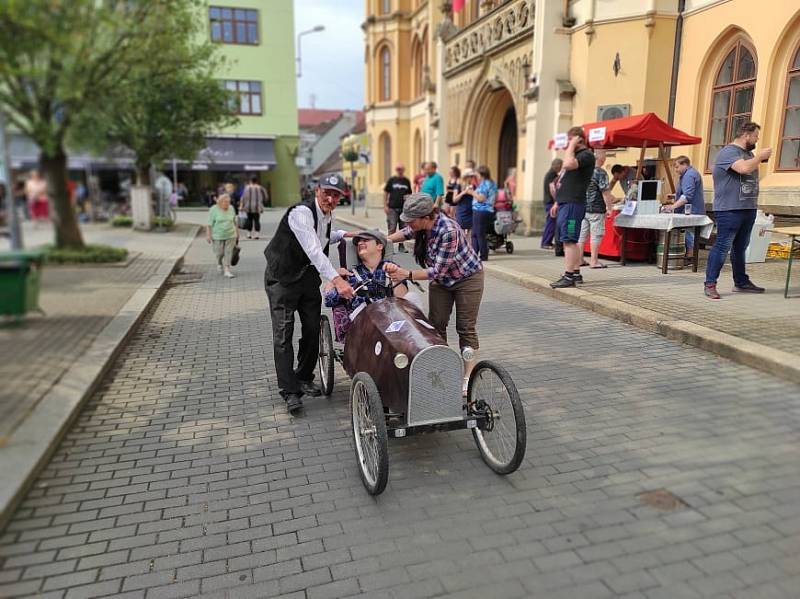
(599, 266)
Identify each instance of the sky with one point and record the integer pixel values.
(332, 60)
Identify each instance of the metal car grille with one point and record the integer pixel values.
(435, 382)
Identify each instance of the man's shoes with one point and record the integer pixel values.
(310, 389)
(578, 278)
(748, 288)
(710, 290)
(563, 282)
(293, 403)
(549, 246)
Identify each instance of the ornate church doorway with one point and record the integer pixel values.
(507, 146)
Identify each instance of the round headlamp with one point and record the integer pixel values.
(400, 360)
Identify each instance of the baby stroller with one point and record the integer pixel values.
(505, 223)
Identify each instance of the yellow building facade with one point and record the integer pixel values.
(494, 82)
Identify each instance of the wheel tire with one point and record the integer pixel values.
(371, 445)
(325, 360)
(510, 247)
(510, 407)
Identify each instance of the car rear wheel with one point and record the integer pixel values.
(369, 433)
(326, 360)
(502, 438)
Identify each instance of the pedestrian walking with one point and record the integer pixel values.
(419, 177)
(222, 233)
(254, 198)
(394, 194)
(688, 194)
(433, 184)
(20, 198)
(549, 196)
(452, 267)
(36, 193)
(735, 176)
(297, 256)
(483, 197)
(599, 204)
(570, 206)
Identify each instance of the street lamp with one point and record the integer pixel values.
(316, 29)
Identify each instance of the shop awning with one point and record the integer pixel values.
(235, 154)
(25, 155)
(631, 131)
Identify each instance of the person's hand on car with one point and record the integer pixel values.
(343, 288)
(343, 272)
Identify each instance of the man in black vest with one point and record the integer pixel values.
(297, 256)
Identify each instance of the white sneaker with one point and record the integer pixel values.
(219, 267)
(229, 274)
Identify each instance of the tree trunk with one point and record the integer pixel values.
(143, 174)
(65, 223)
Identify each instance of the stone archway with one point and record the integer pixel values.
(492, 132)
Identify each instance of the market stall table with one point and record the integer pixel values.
(667, 222)
(793, 233)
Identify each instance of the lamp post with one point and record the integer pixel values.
(316, 29)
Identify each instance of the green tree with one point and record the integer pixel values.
(62, 60)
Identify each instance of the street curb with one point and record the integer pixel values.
(34, 441)
(776, 362)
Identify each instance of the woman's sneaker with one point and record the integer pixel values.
(219, 267)
(229, 274)
(710, 290)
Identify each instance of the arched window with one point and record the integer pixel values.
(386, 6)
(385, 144)
(732, 98)
(419, 74)
(386, 74)
(790, 131)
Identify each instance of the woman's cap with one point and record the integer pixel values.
(373, 234)
(416, 205)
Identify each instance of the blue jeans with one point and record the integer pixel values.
(481, 222)
(733, 235)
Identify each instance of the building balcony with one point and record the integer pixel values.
(508, 23)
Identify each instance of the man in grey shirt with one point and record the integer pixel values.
(735, 203)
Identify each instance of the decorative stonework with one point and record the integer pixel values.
(506, 24)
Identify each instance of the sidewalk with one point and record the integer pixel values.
(762, 331)
(49, 363)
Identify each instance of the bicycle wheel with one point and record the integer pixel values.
(325, 361)
(502, 438)
(369, 433)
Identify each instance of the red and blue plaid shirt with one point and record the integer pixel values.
(450, 258)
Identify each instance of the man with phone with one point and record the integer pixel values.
(570, 206)
(735, 204)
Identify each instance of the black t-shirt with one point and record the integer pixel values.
(397, 188)
(548, 179)
(574, 183)
(453, 189)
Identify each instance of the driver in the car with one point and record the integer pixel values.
(369, 273)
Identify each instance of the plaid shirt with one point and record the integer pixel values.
(450, 259)
(377, 284)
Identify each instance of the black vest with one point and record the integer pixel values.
(287, 262)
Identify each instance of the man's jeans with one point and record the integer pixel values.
(733, 235)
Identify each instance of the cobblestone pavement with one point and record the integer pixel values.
(768, 319)
(184, 477)
(78, 301)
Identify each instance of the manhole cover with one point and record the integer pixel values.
(182, 278)
(662, 500)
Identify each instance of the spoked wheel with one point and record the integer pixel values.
(509, 247)
(369, 433)
(503, 438)
(326, 359)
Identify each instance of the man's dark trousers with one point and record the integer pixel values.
(304, 298)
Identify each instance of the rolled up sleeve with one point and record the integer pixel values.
(301, 222)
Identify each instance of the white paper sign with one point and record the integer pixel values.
(597, 134)
(560, 141)
(395, 326)
(630, 208)
(424, 323)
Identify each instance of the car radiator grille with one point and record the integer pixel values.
(435, 382)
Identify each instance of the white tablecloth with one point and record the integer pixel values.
(666, 221)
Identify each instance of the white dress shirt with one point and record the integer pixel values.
(301, 222)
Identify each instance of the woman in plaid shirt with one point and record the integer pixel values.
(450, 264)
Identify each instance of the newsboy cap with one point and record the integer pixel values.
(416, 205)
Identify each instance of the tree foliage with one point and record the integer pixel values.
(61, 61)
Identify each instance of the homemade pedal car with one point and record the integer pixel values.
(407, 380)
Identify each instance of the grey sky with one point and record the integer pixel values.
(333, 60)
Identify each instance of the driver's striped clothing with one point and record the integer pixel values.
(449, 258)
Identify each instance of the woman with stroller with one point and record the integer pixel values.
(483, 198)
(452, 267)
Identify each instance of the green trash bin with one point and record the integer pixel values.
(20, 279)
